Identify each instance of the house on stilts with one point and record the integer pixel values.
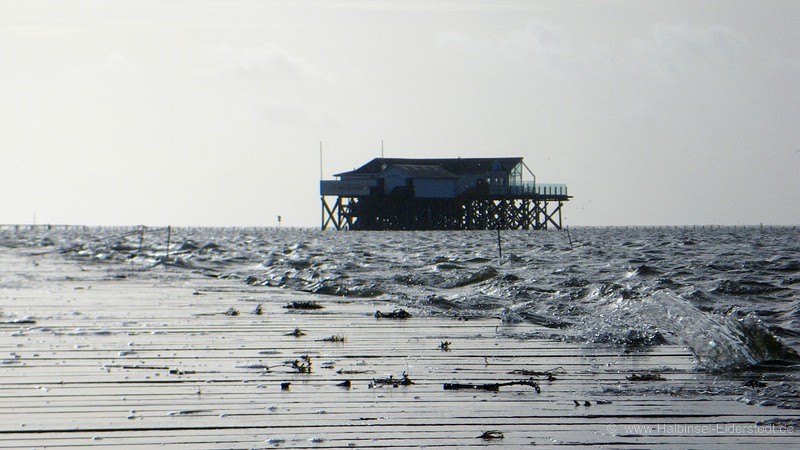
(440, 194)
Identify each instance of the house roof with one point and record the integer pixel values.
(455, 166)
(421, 171)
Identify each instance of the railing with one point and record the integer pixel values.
(551, 189)
(531, 188)
(358, 188)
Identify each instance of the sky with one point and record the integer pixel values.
(211, 113)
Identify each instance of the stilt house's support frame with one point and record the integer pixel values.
(473, 213)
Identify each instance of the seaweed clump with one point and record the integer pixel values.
(304, 305)
(391, 381)
(302, 365)
(649, 376)
(398, 313)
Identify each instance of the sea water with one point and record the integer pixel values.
(729, 294)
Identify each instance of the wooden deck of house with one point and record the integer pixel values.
(98, 358)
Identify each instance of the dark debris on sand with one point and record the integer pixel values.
(647, 376)
(492, 387)
(396, 314)
(549, 375)
(304, 305)
(492, 434)
(391, 381)
(302, 365)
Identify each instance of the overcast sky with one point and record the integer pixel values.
(211, 112)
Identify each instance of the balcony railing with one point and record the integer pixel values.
(531, 188)
(363, 187)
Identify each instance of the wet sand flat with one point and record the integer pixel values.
(94, 356)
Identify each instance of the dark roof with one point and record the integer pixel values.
(422, 171)
(455, 166)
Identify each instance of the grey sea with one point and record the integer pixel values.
(723, 301)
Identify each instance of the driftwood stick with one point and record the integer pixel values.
(492, 387)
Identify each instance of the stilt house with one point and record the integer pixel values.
(440, 194)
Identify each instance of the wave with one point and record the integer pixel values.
(720, 341)
(730, 296)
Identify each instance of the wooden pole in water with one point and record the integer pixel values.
(141, 240)
(570, 239)
(169, 238)
(321, 197)
(499, 242)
